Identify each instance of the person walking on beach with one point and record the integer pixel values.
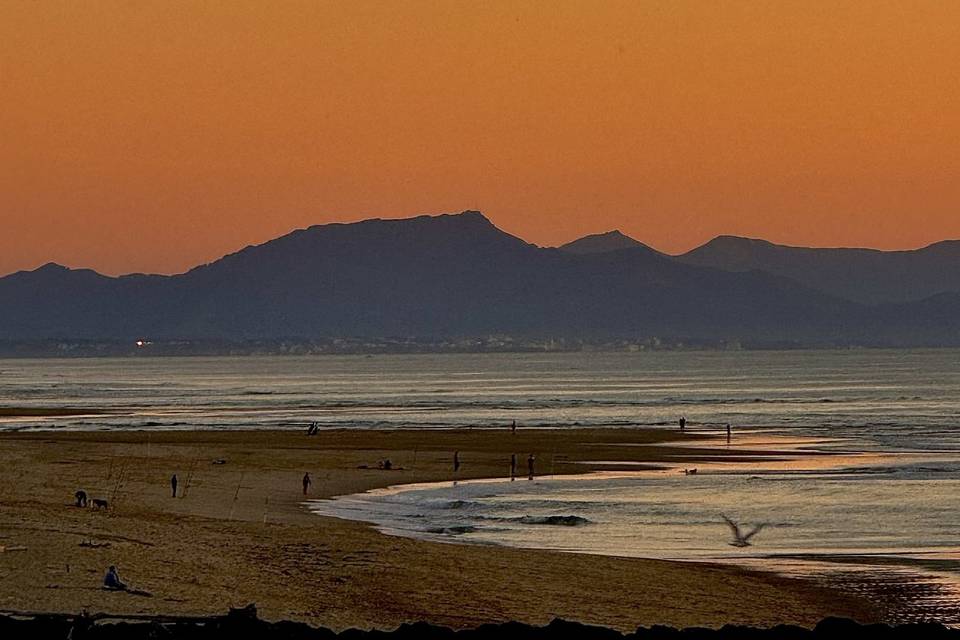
(513, 467)
(513, 427)
(530, 460)
(728, 433)
(306, 482)
(456, 461)
(173, 485)
(683, 423)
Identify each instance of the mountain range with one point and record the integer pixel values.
(459, 275)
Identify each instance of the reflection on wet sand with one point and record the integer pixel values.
(865, 521)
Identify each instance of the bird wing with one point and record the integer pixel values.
(755, 531)
(733, 527)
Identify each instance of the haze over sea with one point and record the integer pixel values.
(882, 399)
(878, 517)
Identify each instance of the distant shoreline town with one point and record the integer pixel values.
(374, 346)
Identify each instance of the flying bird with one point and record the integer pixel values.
(739, 538)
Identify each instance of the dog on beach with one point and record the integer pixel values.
(97, 503)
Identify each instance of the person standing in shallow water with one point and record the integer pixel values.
(173, 485)
(530, 460)
(306, 482)
(728, 433)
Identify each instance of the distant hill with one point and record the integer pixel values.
(602, 243)
(453, 275)
(863, 275)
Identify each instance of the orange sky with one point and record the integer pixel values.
(152, 136)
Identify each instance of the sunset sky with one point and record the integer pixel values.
(152, 136)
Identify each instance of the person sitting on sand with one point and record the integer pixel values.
(81, 497)
(112, 582)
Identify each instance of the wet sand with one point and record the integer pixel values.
(239, 532)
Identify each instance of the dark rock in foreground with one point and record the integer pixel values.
(244, 623)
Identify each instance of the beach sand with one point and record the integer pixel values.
(240, 533)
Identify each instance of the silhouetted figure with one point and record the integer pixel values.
(683, 422)
(112, 580)
(728, 434)
(530, 460)
(306, 482)
(513, 427)
(513, 467)
(81, 497)
(456, 461)
(173, 485)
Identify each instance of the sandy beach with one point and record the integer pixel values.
(239, 533)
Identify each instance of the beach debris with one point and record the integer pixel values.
(690, 472)
(741, 539)
(219, 461)
(248, 612)
(93, 544)
(382, 465)
(4, 549)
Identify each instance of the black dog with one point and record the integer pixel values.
(99, 504)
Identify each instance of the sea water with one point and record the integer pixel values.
(891, 400)
(892, 521)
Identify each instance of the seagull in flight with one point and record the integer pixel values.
(741, 539)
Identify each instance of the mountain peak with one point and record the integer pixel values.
(731, 240)
(52, 267)
(602, 243)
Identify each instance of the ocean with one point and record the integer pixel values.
(888, 515)
(889, 400)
